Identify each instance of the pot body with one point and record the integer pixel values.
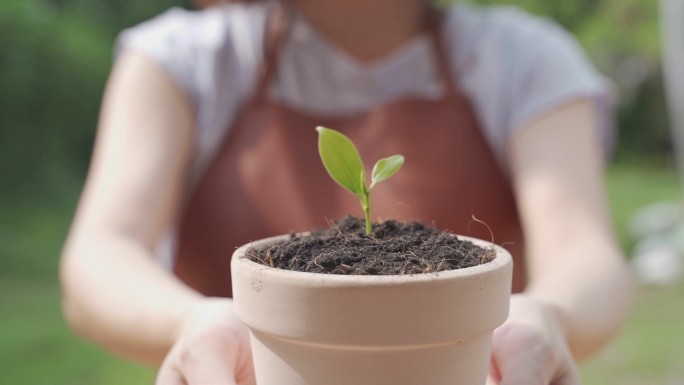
(321, 329)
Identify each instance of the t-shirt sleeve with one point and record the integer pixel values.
(213, 55)
(169, 40)
(550, 69)
(515, 67)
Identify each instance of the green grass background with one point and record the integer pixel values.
(36, 348)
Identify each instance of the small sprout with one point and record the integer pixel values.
(343, 162)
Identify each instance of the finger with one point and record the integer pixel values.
(210, 363)
(491, 381)
(168, 375)
(494, 376)
(523, 356)
(570, 377)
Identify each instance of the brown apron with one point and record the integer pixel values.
(268, 179)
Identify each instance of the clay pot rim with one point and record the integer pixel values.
(502, 259)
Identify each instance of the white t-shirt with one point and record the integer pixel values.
(512, 66)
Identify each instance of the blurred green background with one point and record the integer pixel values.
(54, 60)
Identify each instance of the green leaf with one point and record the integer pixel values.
(385, 168)
(364, 190)
(341, 159)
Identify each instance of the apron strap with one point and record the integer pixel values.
(435, 29)
(276, 28)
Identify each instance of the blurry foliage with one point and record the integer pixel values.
(622, 37)
(55, 56)
(54, 60)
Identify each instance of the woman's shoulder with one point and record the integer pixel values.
(200, 27)
(203, 51)
(480, 28)
(516, 66)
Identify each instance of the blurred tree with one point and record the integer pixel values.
(54, 61)
(622, 38)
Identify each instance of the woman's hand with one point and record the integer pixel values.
(530, 348)
(212, 348)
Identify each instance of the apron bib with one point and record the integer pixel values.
(267, 179)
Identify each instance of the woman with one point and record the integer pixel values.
(206, 141)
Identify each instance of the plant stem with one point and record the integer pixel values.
(365, 203)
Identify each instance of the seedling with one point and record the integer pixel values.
(343, 162)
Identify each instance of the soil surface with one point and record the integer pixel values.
(394, 248)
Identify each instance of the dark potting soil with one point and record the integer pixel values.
(393, 248)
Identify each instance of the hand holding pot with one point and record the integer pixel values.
(530, 348)
(212, 348)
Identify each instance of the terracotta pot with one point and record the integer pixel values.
(321, 329)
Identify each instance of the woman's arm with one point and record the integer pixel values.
(579, 287)
(575, 265)
(113, 291)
